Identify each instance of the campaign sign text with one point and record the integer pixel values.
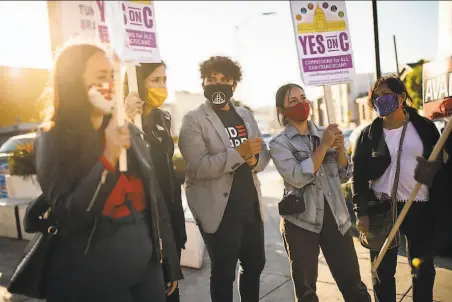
(437, 89)
(323, 42)
(139, 20)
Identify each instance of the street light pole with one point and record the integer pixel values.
(396, 56)
(377, 41)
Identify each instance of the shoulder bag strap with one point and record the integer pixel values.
(396, 182)
(399, 155)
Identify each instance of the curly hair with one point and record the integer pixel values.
(221, 64)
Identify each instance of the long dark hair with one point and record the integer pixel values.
(77, 142)
(280, 95)
(396, 85)
(143, 71)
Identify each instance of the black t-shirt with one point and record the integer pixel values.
(243, 194)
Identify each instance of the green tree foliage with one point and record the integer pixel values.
(413, 83)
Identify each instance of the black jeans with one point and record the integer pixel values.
(303, 249)
(418, 230)
(120, 266)
(175, 296)
(240, 236)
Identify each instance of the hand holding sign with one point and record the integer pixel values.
(116, 139)
(131, 33)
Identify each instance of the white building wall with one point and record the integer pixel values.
(444, 29)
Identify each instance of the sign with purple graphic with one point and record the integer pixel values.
(139, 22)
(323, 42)
(87, 19)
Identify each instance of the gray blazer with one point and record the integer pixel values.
(211, 162)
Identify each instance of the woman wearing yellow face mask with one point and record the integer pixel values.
(156, 125)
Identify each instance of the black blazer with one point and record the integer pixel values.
(371, 156)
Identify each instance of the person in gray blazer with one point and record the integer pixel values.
(224, 150)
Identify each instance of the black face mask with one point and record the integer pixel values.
(218, 94)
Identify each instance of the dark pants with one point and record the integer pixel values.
(303, 249)
(175, 296)
(239, 237)
(417, 227)
(120, 266)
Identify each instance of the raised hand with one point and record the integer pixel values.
(134, 105)
(116, 138)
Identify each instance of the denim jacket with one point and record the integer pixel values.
(293, 160)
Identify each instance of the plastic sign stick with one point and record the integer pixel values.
(120, 112)
(133, 87)
(438, 147)
(118, 39)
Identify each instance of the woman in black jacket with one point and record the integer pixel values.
(157, 127)
(113, 227)
(375, 161)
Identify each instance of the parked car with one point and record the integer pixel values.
(346, 133)
(353, 136)
(267, 138)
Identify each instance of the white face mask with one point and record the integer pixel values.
(101, 97)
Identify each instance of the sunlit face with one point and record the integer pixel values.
(383, 89)
(294, 96)
(219, 78)
(98, 70)
(157, 79)
(99, 84)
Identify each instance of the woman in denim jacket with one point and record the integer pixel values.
(313, 164)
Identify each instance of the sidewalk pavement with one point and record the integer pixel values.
(276, 284)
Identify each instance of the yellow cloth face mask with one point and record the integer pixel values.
(156, 97)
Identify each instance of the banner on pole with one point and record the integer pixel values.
(437, 89)
(323, 42)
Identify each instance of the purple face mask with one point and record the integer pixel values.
(386, 104)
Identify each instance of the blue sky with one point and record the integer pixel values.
(191, 31)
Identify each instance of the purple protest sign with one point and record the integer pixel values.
(323, 42)
(139, 25)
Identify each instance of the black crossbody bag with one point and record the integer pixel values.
(292, 203)
(30, 278)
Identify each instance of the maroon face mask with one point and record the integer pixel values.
(298, 112)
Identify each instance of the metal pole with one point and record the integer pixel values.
(396, 57)
(377, 42)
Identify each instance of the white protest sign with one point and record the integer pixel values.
(323, 42)
(139, 24)
(86, 19)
